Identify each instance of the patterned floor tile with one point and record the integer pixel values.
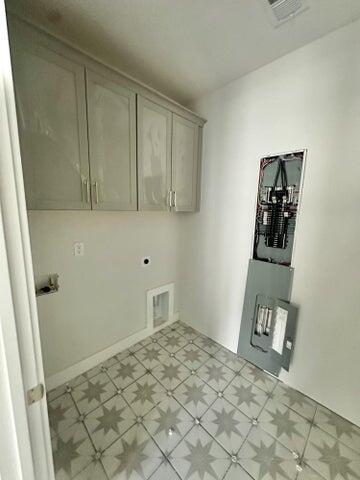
(62, 413)
(295, 400)
(230, 359)
(94, 471)
(168, 423)
(236, 472)
(207, 344)
(307, 473)
(85, 376)
(108, 422)
(330, 458)
(172, 342)
(194, 395)
(144, 394)
(246, 396)
(199, 457)
(152, 355)
(259, 378)
(266, 459)
(143, 343)
(216, 374)
(171, 373)
(338, 427)
(72, 452)
(90, 394)
(165, 472)
(285, 425)
(227, 424)
(192, 356)
(57, 392)
(126, 371)
(134, 456)
(169, 329)
(188, 332)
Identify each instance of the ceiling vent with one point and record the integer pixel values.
(283, 10)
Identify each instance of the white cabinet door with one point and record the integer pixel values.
(185, 164)
(51, 111)
(154, 155)
(112, 144)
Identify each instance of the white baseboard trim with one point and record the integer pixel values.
(84, 365)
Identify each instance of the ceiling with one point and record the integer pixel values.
(184, 48)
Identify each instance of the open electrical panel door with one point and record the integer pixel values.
(268, 324)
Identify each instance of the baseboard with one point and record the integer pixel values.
(84, 365)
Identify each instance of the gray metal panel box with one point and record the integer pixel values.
(268, 284)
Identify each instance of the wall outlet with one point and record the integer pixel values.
(78, 249)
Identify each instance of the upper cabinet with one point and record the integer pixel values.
(92, 138)
(51, 106)
(112, 144)
(154, 155)
(185, 164)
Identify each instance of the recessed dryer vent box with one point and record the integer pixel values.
(160, 305)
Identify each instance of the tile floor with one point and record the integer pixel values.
(179, 406)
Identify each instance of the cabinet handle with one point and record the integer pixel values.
(87, 185)
(174, 197)
(168, 198)
(96, 187)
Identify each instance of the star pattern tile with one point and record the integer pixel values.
(72, 451)
(152, 356)
(199, 457)
(266, 459)
(144, 394)
(134, 456)
(172, 342)
(230, 359)
(259, 378)
(294, 400)
(195, 395)
(171, 374)
(109, 421)
(62, 413)
(338, 427)
(90, 394)
(192, 356)
(248, 398)
(168, 423)
(126, 371)
(227, 424)
(285, 425)
(178, 406)
(330, 458)
(216, 374)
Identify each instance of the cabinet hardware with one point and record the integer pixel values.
(87, 186)
(96, 187)
(174, 200)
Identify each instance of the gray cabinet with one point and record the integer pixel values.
(185, 164)
(50, 93)
(112, 144)
(154, 155)
(91, 138)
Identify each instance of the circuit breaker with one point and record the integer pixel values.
(268, 324)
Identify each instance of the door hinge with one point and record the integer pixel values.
(35, 394)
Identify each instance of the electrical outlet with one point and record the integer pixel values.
(78, 249)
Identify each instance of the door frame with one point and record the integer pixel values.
(26, 435)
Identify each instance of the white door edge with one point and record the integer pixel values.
(20, 350)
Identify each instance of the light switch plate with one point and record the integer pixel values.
(78, 249)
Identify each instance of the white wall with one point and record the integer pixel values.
(307, 99)
(102, 296)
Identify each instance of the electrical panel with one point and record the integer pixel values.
(277, 207)
(268, 324)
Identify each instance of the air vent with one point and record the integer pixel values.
(284, 10)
